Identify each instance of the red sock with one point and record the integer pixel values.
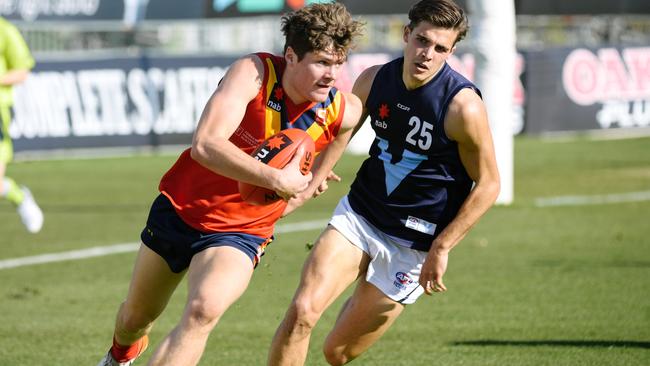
(126, 353)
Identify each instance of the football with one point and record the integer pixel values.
(277, 151)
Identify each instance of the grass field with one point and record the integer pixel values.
(553, 285)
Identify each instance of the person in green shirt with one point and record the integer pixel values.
(16, 62)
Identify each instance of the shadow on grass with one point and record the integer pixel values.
(556, 343)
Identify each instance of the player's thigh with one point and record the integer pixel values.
(217, 277)
(333, 264)
(365, 317)
(152, 283)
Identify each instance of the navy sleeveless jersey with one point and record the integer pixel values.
(413, 183)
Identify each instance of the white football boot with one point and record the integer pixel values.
(30, 214)
(108, 360)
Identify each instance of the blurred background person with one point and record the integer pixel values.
(15, 64)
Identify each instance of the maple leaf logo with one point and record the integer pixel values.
(383, 111)
(276, 142)
(278, 93)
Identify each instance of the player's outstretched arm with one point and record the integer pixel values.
(467, 124)
(220, 118)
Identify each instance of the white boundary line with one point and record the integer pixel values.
(306, 226)
(593, 200)
(129, 247)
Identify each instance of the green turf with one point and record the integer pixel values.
(528, 286)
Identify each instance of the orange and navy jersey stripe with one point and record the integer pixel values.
(210, 202)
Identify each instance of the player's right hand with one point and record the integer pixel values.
(433, 269)
(292, 181)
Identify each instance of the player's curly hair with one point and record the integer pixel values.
(320, 27)
(441, 13)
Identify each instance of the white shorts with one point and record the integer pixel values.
(393, 269)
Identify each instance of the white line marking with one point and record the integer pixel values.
(301, 226)
(593, 200)
(71, 255)
(130, 247)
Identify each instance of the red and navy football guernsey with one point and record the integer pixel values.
(413, 183)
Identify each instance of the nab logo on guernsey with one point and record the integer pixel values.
(275, 98)
(384, 112)
(381, 124)
(273, 105)
(402, 280)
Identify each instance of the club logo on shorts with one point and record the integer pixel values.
(402, 280)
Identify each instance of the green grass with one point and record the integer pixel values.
(528, 286)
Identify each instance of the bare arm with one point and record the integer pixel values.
(328, 157)
(467, 124)
(222, 115)
(361, 89)
(13, 77)
(355, 114)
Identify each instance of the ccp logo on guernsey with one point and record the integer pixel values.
(402, 280)
(261, 6)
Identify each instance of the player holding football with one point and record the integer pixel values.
(430, 176)
(199, 224)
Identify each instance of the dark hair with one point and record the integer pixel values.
(441, 13)
(320, 27)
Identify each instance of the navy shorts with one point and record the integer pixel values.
(175, 241)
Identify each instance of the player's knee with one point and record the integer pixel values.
(204, 314)
(339, 352)
(336, 356)
(302, 317)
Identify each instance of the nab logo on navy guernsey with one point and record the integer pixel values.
(402, 280)
(384, 112)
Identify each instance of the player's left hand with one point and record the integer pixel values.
(433, 269)
(294, 203)
(323, 186)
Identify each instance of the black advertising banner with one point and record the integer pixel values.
(239, 8)
(174, 9)
(564, 7)
(587, 89)
(151, 101)
(125, 102)
(141, 101)
(113, 102)
(92, 10)
(61, 10)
